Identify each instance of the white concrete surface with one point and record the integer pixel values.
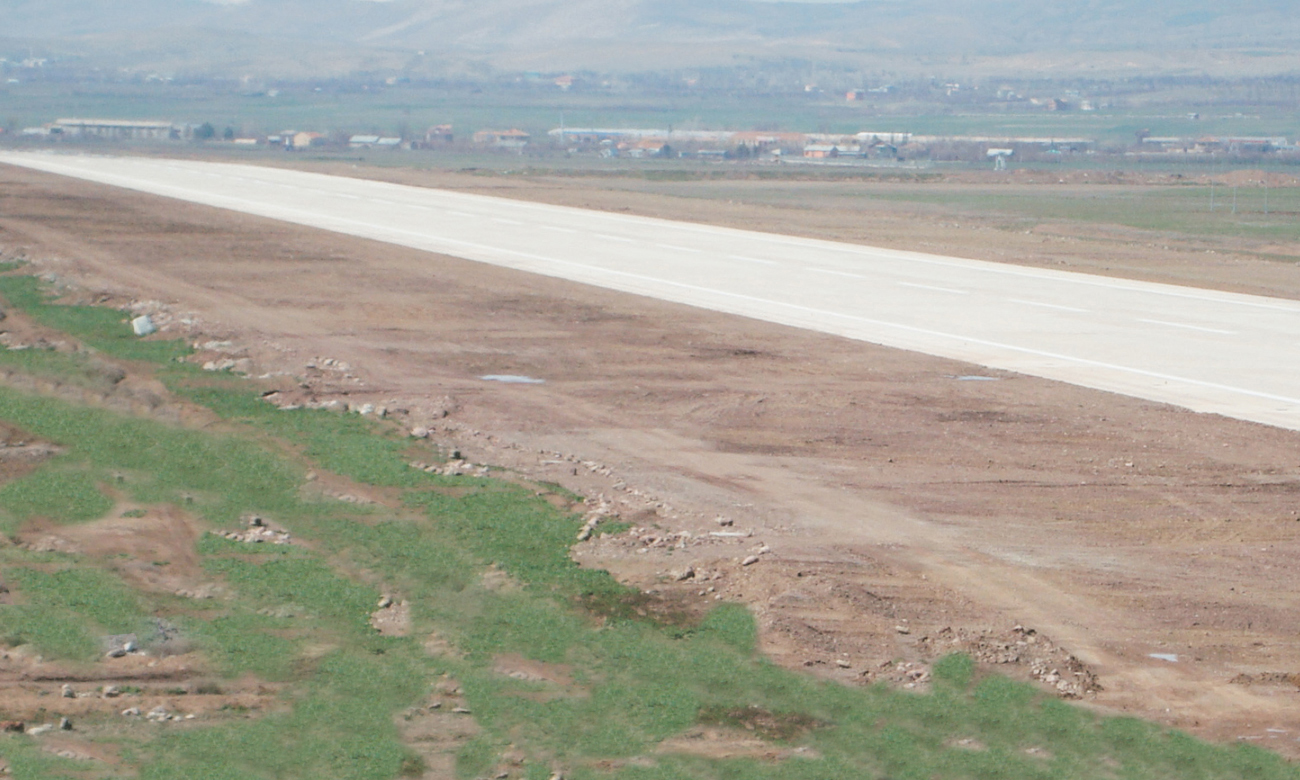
(1209, 351)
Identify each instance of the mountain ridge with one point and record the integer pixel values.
(546, 34)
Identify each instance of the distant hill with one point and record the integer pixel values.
(640, 34)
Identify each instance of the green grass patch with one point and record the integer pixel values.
(106, 330)
(66, 612)
(223, 475)
(60, 492)
(28, 759)
(71, 368)
(1257, 213)
(346, 444)
(486, 568)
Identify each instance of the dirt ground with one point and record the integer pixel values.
(876, 508)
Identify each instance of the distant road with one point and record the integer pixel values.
(1210, 351)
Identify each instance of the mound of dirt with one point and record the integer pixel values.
(1256, 178)
(152, 547)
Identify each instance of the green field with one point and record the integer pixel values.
(1192, 209)
(406, 108)
(298, 617)
(1240, 212)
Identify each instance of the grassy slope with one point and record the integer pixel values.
(637, 681)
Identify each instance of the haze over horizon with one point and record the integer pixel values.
(264, 37)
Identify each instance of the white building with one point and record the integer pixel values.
(115, 129)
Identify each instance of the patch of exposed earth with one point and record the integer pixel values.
(874, 511)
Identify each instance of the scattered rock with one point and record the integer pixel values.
(1046, 662)
(385, 602)
(67, 692)
(1267, 678)
(16, 726)
(685, 574)
(903, 629)
(842, 663)
(461, 711)
(143, 325)
(258, 532)
(131, 712)
(111, 692)
(65, 724)
(119, 645)
(420, 432)
(159, 714)
(41, 729)
(749, 560)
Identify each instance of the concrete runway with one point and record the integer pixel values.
(1205, 350)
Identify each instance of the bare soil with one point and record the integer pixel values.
(874, 510)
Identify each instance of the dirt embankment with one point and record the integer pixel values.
(874, 509)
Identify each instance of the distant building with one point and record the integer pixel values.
(872, 138)
(855, 94)
(439, 134)
(821, 151)
(506, 139)
(115, 129)
(305, 140)
(1241, 144)
(374, 142)
(647, 147)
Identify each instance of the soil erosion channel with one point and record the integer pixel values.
(891, 507)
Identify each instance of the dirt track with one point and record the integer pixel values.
(894, 498)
